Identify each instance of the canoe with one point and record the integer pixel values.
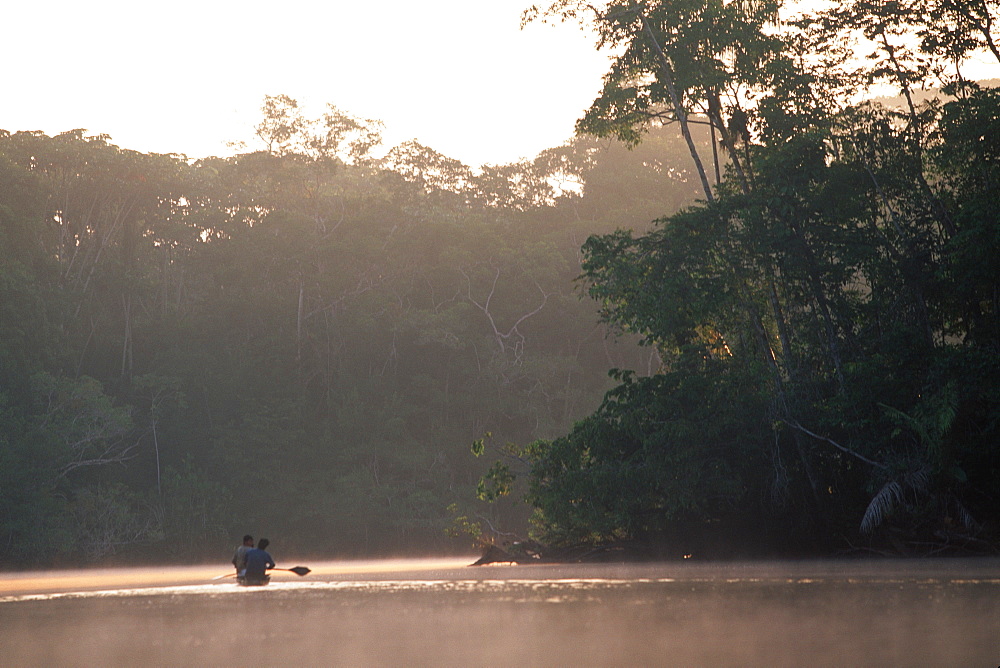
(253, 582)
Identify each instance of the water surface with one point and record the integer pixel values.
(443, 613)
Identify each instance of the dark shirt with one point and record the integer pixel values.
(240, 557)
(258, 561)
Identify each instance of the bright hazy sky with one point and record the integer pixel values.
(188, 76)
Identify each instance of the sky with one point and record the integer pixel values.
(189, 76)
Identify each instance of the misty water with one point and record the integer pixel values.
(445, 613)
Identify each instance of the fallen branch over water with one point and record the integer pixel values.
(530, 552)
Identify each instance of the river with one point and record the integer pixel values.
(441, 612)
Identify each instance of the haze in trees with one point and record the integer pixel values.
(795, 292)
(301, 339)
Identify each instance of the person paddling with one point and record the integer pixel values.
(240, 557)
(258, 561)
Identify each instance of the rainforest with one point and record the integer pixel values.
(751, 309)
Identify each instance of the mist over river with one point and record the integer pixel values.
(444, 613)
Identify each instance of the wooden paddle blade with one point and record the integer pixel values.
(299, 570)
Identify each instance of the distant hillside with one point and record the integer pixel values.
(924, 95)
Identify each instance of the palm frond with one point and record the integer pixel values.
(881, 506)
(965, 518)
(901, 419)
(892, 495)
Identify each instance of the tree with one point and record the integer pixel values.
(676, 60)
(817, 271)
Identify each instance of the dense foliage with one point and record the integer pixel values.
(301, 341)
(298, 341)
(828, 317)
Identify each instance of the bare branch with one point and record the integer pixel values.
(853, 453)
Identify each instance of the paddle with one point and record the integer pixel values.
(298, 570)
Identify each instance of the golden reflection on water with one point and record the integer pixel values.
(36, 582)
(451, 569)
(441, 612)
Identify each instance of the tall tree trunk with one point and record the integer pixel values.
(675, 100)
(717, 121)
(940, 212)
(127, 362)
